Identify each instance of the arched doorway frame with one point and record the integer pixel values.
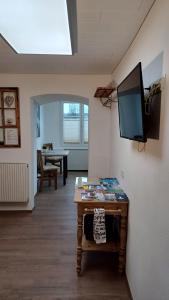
(44, 99)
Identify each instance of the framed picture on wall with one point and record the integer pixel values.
(9, 117)
(38, 120)
(9, 99)
(11, 136)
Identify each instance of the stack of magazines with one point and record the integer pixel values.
(103, 189)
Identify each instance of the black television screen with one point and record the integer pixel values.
(130, 95)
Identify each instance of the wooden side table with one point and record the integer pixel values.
(111, 207)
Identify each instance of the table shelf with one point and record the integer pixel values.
(92, 246)
(115, 208)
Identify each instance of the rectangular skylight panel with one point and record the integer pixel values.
(36, 26)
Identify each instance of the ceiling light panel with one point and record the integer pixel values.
(36, 26)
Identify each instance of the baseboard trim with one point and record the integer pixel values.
(77, 170)
(15, 211)
(128, 287)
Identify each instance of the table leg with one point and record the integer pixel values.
(64, 169)
(79, 241)
(123, 239)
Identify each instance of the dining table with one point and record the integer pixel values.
(59, 152)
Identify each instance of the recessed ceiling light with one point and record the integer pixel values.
(36, 26)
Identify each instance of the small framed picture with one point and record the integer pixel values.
(11, 136)
(9, 99)
(10, 117)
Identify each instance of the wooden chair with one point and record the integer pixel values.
(45, 172)
(54, 160)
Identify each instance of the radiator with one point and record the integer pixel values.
(14, 179)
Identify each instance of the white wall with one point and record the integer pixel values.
(51, 130)
(78, 160)
(146, 174)
(81, 85)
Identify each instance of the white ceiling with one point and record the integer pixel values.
(105, 31)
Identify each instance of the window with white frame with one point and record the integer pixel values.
(75, 124)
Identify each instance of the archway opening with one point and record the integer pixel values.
(61, 119)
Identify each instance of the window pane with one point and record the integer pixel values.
(71, 124)
(85, 123)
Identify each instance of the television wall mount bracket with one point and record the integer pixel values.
(152, 102)
(105, 96)
(151, 91)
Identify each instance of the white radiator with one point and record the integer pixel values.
(14, 179)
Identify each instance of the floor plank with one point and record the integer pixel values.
(37, 254)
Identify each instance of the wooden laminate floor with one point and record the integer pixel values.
(37, 254)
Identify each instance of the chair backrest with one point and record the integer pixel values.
(39, 162)
(48, 146)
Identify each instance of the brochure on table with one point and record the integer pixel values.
(103, 189)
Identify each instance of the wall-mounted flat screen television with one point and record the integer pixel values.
(130, 95)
